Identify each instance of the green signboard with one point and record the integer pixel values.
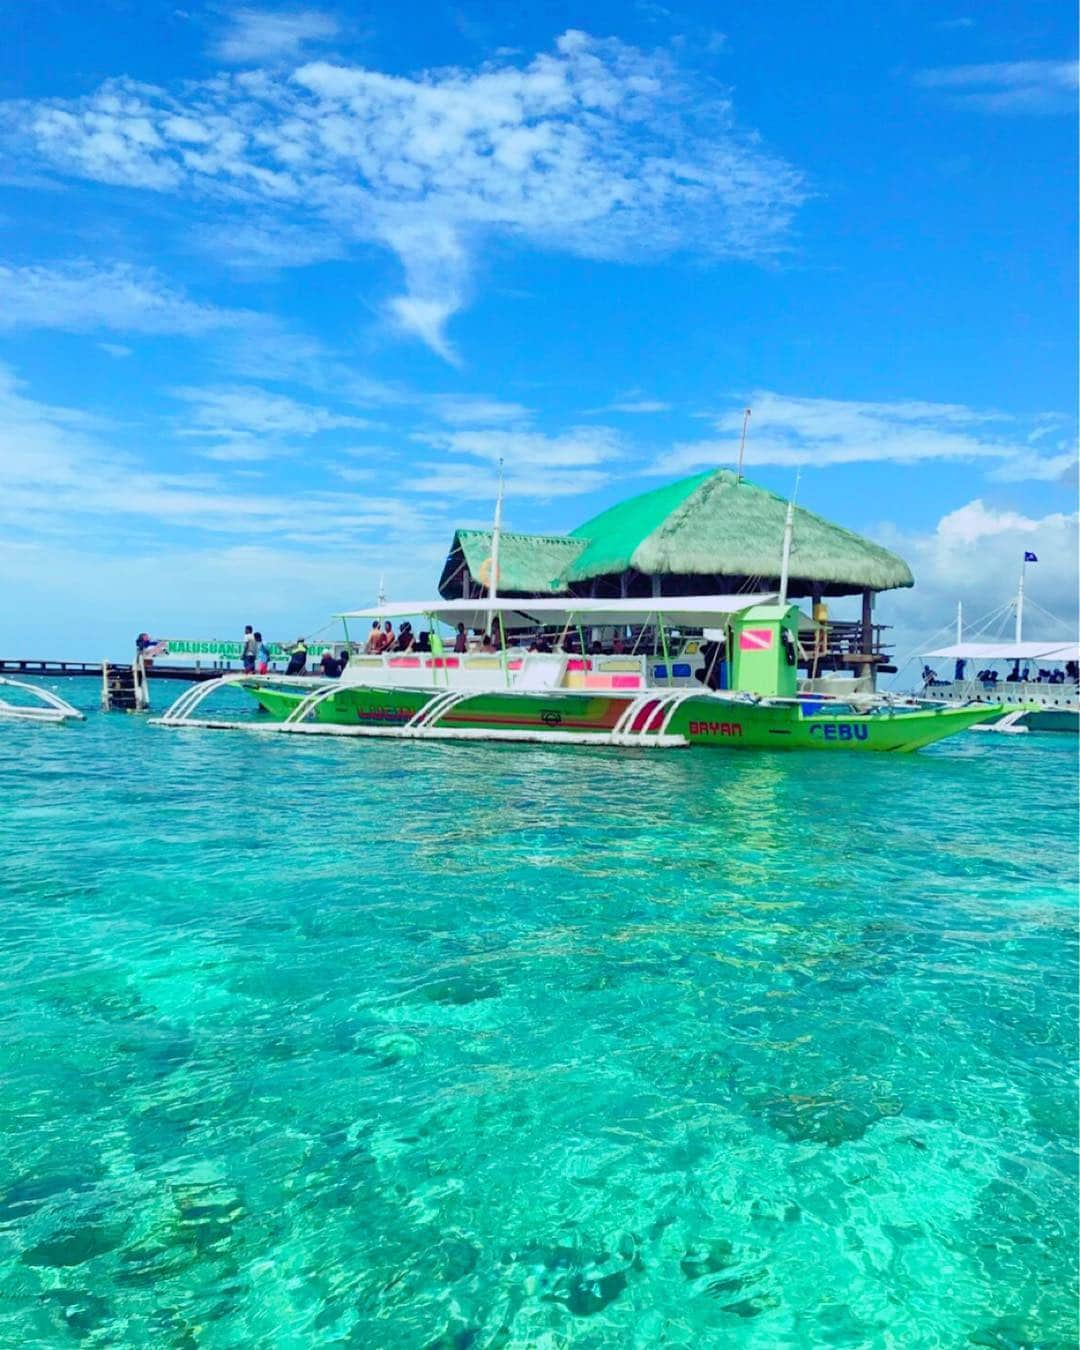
(222, 650)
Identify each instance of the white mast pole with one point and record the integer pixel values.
(742, 441)
(382, 589)
(496, 532)
(1020, 603)
(959, 622)
(785, 556)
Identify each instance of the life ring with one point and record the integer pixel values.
(483, 573)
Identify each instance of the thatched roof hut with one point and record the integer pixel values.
(711, 533)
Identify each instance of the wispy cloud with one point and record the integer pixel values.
(256, 36)
(82, 296)
(247, 410)
(460, 410)
(635, 406)
(1007, 86)
(789, 431)
(60, 471)
(595, 148)
(251, 246)
(536, 465)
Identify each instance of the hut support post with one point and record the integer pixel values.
(867, 667)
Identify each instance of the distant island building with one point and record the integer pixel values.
(712, 533)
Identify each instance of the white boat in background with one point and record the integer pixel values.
(1037, 682)
(35, 704)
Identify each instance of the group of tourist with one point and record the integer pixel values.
(382, 639)
(1043, 675)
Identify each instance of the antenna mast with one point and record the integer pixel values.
(742, 441)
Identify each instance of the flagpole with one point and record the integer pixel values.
(1020, 603)
(785, 556)
(496, 535)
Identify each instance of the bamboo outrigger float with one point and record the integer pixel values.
(661, 698)
(41, 705)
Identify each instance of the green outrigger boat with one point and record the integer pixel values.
(712, 671)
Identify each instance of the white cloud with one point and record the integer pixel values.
(82, 296)
(116, 349)
(259, 35)
(1008, 86)
(242, 411)
(596, 148)
(786, 430)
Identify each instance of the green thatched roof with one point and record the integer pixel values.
(714, 524)
(529, 564)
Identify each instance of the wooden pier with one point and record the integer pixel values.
(154, 671)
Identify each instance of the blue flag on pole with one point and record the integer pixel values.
(1030, 557)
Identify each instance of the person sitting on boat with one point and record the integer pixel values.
(461, 639)
(330, 667)
(374, 638)
(497, 639)
(297, 658)
(618, 645)
(404, 638)
(423, 642)
(1013, 676)
(343, 659)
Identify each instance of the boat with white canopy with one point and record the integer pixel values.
(22, 702)
(1034, 684)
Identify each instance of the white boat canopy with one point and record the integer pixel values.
(1053, 650)
(691, 611)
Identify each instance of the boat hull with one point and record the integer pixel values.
(705, 721)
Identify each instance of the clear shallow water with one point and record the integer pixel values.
(330, 1043)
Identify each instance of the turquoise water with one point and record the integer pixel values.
(348, 1043)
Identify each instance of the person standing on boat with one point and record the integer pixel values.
(330, 667)
(247, 654)
(262, 654)
(461, 639)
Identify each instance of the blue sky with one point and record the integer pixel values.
(278, 286)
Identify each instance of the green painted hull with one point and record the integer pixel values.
(702, 721)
